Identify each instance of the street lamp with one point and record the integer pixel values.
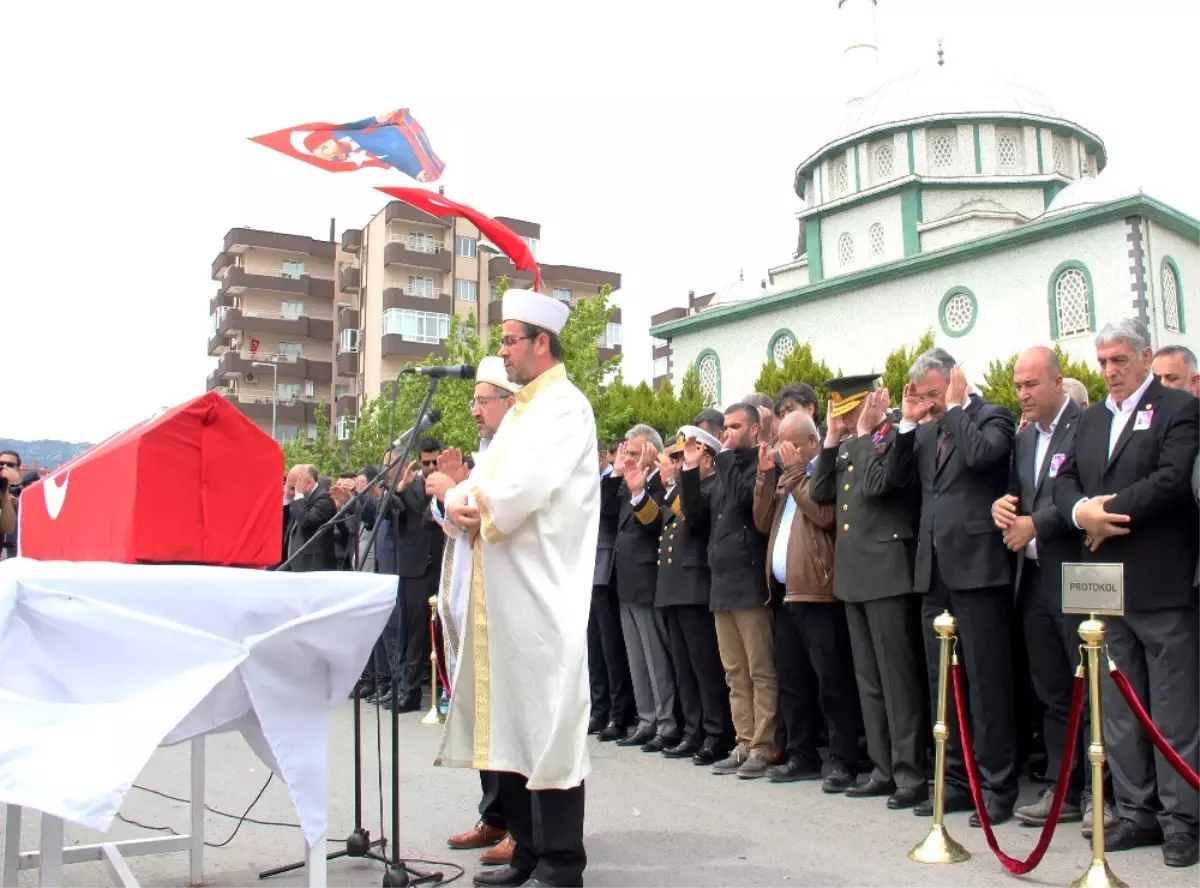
(275, 399)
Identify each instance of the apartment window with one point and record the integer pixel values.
(348, 341)
(421, 286)
(532, 243)
(310, 388)
(288, 391)
(312, 430)
(466, 246)
(290, 349)
(467, 291)
(341, 391)
(562, 294)
(293, 310)
(293, 269)
(345, 426)
(290, 433)
(662, 367)
(419, 242)
(416, 326)
(612, 335)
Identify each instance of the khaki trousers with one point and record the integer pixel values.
(746, 640)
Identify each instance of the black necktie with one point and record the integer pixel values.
(943, 447)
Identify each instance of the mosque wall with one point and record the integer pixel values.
(1159, 244)
(855, 331)
(937, 203)
(856, 221)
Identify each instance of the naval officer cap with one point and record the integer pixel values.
(536, 309)
(848, 392)
(690, 431)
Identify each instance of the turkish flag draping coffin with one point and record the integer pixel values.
(200, 484)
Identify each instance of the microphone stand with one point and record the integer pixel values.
(359, 843)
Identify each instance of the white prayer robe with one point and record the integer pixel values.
(520, 701)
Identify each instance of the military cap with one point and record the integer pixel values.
(849, 391)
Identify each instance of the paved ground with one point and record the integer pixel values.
(650, 822)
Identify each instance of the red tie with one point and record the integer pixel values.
(943, 447)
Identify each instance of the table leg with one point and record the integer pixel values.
(196, 851)
(12, 845)
(51, 861)
(316, 863)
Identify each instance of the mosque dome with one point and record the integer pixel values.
(1091, 191)
(740, 290)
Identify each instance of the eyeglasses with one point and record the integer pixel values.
(510, 341)
(429, 463)
(480, 400)
(6, 464)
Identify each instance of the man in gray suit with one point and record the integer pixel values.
(1042, 540)
(873, 563)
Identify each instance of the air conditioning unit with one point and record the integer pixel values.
(250, 377)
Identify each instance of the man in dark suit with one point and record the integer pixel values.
(311, 508)
(419, 566)
(961, 457)
(1124, 483)
(608, 664)
(647, 642)
(872, 574)
(1042, 541)
(682, 596)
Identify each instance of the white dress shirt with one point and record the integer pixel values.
(1039, 459)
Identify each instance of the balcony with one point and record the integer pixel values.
(302, 327)
(661, 351)
(521, 228)
(398, 297)
(237, 280)
(352, 240)
(346, 405)
(239, 363)
(398, 210)
(501, 266)
(238, 240)
(396, 346)
(348, 278)
(260, 406)
(495, 312)
(347, 318)
(415, 255)
(605, 354)
(347, 363)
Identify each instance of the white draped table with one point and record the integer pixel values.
(101, 663)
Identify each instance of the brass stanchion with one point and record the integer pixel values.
(434, 716)
(1097, 875)
(938, 847)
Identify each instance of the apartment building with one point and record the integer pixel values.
(297, 321)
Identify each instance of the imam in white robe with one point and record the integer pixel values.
(520, 701)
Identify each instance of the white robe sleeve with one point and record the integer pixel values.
(527, 477)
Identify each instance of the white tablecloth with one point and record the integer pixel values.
(102, 663)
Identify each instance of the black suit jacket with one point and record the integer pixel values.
(307, 515)
(637, 544)
(957, 495)
(421, 537)
(1149, 472)
(606, 541)
(874, 552)
(683, 574)
(1057, 540)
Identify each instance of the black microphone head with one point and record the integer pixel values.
(468, 372)
(435, 416)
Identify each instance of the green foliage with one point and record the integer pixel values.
(623, 406)
(895, 368)
(998, 385)
(799, 366)
(1093, 380)
(369, 440)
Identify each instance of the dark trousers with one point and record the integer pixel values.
(891, 687)
(491, 812)
(608, 664)
(547, 827)
(1052, 644)
(1159, 652)
(414, 594)
(816, 676)
(699, 676)
(985, 653)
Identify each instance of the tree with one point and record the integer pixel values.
(369, 440)
(998, 381)
(798, 366)
(1093, 380)
(895, 368)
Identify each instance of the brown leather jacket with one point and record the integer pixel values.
(810, 546)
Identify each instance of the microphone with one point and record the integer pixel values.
(453, 371)
(428, 421)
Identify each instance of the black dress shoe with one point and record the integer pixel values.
(596, 724)
(1181, 849)
(410, 703)
(838, 780)
(871, 788)
(997, 813)
(637, 738)
(793, 770)
(504, 877)
(1125, 835)
(710, 753)
(536, 883)
(956, 800)
(685, 749)
(908, 797)
(610, 733)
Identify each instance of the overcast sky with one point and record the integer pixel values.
(647, 138)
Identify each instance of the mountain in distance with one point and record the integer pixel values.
(45, 454)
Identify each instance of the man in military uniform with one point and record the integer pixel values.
(682, 596)
(873, 563)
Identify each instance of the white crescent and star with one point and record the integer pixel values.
(55, 495)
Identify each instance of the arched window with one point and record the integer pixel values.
(885, 157)
(845, 248)
(841, 177)
(1172, 296)
(1006, 152)
(781, 345)
(1059, 155)
(941, 152)
(875, 236)
(708, 366)
(1072, 307)
(958, 312)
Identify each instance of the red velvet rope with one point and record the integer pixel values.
(1014, 866)
(1143, 717)
(441, 671)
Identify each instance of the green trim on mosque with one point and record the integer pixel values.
(819, 178)
(1168, 262)
(1050, 191)
(812, 245)
(857, 178)
(775, 337)
(1139, 205)
(716, 357)
(978, 152)
(950, 294)
(1053, 301)
(910, 218)
(1041, 164)
(912, 157)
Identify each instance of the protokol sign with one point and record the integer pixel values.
(1093, 589)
